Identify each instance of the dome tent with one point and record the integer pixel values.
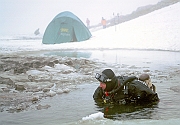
(65, 27)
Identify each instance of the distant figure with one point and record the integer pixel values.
(103, 22)
(88, 22)
(37, 32)
(117, 20)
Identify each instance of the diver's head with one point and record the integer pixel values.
(107, 80)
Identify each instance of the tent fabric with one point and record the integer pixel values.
(65, 27)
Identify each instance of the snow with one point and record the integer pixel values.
(158, 30)
(98, 115)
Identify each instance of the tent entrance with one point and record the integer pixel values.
(74, 39)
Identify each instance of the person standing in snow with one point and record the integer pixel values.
(103, 22)
(123, 89)
(88, 22)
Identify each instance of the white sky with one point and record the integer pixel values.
(25, 16)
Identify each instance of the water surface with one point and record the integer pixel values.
(70, 108)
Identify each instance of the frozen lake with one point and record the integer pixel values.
(70, 108)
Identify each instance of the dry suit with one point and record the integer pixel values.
(125, 90)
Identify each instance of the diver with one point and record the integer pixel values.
(124, 89)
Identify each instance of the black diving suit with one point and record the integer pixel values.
(127, 90)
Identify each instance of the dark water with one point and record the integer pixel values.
(152, 60)
(64, 108)
(73, 106)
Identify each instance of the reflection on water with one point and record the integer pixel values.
(75, 54)
(132, 111)
(152, 59)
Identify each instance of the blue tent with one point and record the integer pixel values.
(65, 27)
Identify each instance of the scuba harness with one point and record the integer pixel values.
(108, 96)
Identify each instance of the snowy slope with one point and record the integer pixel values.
(158, 30)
